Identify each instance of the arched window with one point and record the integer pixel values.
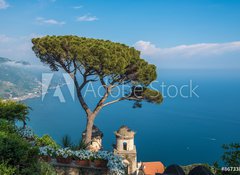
(124, 145)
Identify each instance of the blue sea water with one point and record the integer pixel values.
(180, 130)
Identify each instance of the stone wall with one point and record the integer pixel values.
(72, 169)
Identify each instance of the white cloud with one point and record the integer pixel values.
(146, 47)
(87, 18)
(41, 20)
(195, 55)
(202, 49)
(3, 4)
(77, 7)
(17, 48)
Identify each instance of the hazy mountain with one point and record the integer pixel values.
(19, 78)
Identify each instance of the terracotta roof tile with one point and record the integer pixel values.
(151, 168)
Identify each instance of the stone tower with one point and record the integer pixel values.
(96, 143)
(125, 147)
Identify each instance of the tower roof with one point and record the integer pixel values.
(125, 131)
(96, 132)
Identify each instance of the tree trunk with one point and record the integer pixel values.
(89, 126)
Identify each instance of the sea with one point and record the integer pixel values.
(200, 112)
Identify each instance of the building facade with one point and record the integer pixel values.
(126, 148)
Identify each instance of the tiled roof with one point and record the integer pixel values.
(151, 168)
(124, 131)
(95, 132)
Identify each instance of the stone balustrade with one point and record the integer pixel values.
(73, 169)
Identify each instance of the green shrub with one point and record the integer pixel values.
(18, 153)
(7, 126)
(46, 169)
(6, 170)
(46, 140)
(13, 111)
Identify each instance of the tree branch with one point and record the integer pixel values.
(103, 82)
(114, 101)
(79, 91)
(120, 99)
(99, 106)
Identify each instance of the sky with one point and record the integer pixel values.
(174, 34)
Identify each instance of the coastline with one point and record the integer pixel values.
(31, 95)
(25, 97)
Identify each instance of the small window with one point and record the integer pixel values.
(124, 146)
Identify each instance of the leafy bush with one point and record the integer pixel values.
(6, 170)
(46, 140)
(7, 126)
(13, 111)
(18, 153)
(46, 169)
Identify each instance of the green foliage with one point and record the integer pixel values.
(17, 155)
(6, 169)
(13, 111)
(116, 62)
(46, 140)
(141, 93)
(230, 158)
(80, 146)
(102, 56)
(7, 126)
(17, 152)
(147, 94)
(46, 168)
(152, 96)
(67, 141)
